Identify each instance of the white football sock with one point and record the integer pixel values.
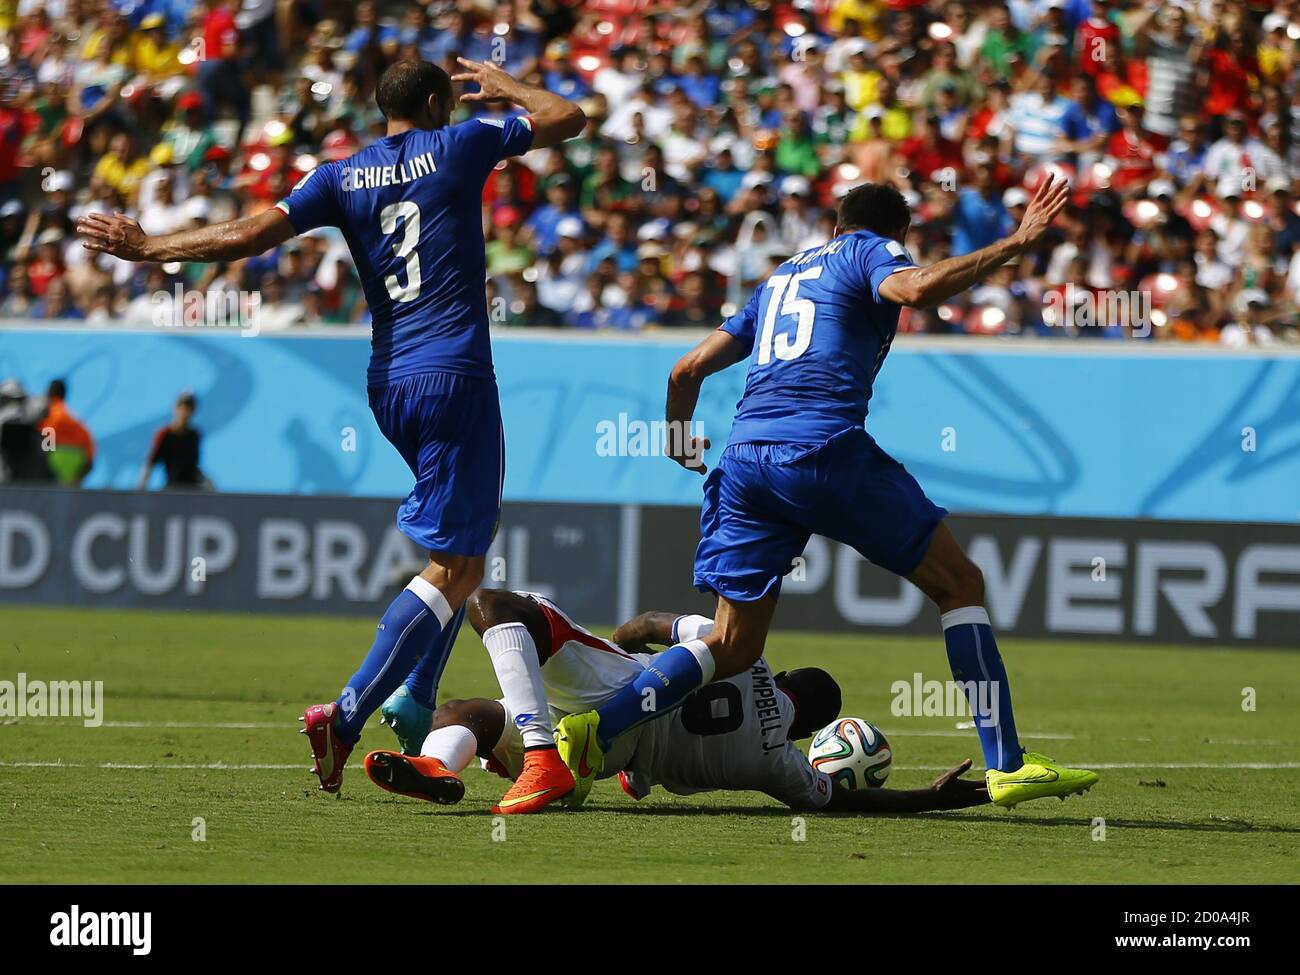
(453, 745)
(704, 657)
(519, 672)
(432, 596)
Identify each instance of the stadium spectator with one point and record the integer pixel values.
(57, 304)
(1172, 53)
(980, 216)
(14, 123)
(1037, 122)
(723, 134)
(176, 446)
(219, 76)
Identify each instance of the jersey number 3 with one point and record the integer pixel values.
(784, 301)
(409, 214)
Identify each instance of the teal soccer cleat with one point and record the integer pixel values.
(409, 719)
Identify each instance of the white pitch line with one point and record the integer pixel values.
(237, 725)
(891, 732)
(254, 725)
(225, 767)
(966, 732)
(1135, 765)
(131, 766)
(1191, 765)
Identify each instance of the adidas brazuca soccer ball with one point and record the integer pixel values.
(853, 752)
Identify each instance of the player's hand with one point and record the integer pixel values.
(630, 638)
(1053, 193)
(954, 792)
(115, 234)
(493, 83)
(689, 452)
(632, 646)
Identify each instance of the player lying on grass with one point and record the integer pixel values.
(735, 735)
(799, 461)
(409, 208)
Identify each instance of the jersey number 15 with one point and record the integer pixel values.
(783, 301)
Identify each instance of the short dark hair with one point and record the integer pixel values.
(875, 207)
(58, 390)
(404, 89)
(816, 697)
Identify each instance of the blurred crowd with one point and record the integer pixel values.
(721, 135)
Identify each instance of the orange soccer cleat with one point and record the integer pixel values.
(544, 779)
(415, 776)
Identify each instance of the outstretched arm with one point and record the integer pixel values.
(948, 791)
(715, 353)
(923, 287)
(121, 236)
(555, 119)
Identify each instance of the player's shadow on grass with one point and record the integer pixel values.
(1011, 819)
(781, 812)
(685, 810)
(777, 811)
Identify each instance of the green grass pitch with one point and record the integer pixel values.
(200, 718)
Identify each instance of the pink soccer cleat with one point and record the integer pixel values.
(329, 750)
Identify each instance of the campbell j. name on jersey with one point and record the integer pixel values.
(771, 726)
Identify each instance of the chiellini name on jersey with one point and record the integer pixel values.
(372, 177)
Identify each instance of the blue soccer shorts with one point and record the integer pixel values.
(447, 427)
(763, 500)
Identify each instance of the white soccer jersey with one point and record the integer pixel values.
(729, 735)
(583, 670)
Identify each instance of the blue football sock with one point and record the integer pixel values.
(411, 624)
(422, 682)
(658, 689)
(975, 661)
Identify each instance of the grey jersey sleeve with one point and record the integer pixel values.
(796, 783)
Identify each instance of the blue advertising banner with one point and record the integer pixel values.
(1070, 428)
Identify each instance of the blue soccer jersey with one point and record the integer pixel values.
(799, 461)
(410, 208)
(817, 331)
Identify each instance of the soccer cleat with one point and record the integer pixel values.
(415, 776)
(579, 748)
(544, 779)
(409, 719)
(493, 764)
(1038, 778)
(628, 782)
(329, 750)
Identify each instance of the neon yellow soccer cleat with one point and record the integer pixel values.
(575, 737)
(1038, 778)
